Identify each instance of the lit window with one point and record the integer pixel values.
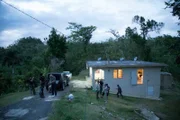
(140, 76)
(117, 73)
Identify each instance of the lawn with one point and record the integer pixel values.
(86, 107)
(81, 75)
(12, 98)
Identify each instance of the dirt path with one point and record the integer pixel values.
(81, 84)
(31, 108)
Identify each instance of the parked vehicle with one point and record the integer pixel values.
(61, 80)
(68, 74)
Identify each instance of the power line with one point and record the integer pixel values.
(29, 16)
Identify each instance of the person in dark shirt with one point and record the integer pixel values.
(42, 84)
(108, 90)
(119, 91)
(32, 86)
(101, 87)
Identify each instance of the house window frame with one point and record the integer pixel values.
(118, 73)
(142, 74)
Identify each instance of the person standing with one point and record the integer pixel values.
(47, 84)
(119, 91)
(42, 84)
(106, 92)
(32, 86)
(53, 84)
(97, 90)
(101, 87)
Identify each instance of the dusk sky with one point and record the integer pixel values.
(104, 14)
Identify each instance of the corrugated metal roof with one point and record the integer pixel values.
(123, 64)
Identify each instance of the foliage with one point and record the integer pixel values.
(12, 98)
(147, 26)
(57, 49)
(29, 56)
(175, 6)
(80, 33)
(19, 62)
(57, 44)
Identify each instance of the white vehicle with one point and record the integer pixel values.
(68, 74)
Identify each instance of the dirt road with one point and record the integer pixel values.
(31, 107)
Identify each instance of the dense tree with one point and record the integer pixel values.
(147, 26)
(29, 56)
(57, 44)
(80, 33)
(175, 6)
(2, 54)
(57, 47)
(114, 33)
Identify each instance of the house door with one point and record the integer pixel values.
(99, 74)
(150, 91)
(133, 77)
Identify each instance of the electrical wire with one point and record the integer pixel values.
(30, 16)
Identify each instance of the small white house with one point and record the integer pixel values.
(136, 78)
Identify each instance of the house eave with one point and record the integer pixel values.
(129, 66)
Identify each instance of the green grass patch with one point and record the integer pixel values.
(86, 107)
(78, 78)
(82, 75)
(12, 98)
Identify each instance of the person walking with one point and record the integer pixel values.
(42, 84)
(97, 89)
(119, 91)
(53, 85)
(32, 86)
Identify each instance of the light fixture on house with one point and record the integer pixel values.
(135, 58)
(121, 59)
(99, 58)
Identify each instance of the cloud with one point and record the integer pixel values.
(8, 36)
(105, 14)
(31, 6)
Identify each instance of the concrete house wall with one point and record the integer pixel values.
(151, 79)
(166, 80)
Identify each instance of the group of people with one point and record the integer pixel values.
(43, 83)
(103, 91)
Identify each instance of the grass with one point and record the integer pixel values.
(78, 78)
(86, 107)
(81, 75)
(12, 98)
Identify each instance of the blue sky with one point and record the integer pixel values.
(105, 14)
